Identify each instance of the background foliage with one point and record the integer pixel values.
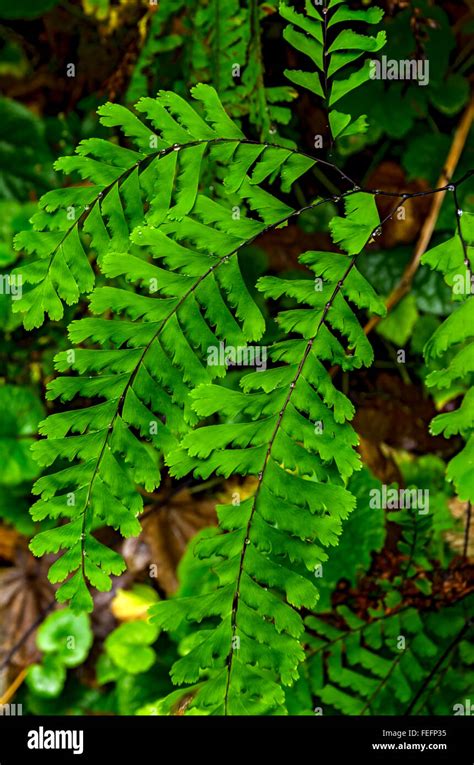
(393, 573)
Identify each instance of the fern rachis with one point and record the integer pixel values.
(306, 478)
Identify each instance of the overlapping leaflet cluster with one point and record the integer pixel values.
(389, 661)
(227, 52)
(452, 344)
(364, 668)
(124, 185)
(167, 246)
(323, 34)
(220, 44)
(270, 545)
(180, 249)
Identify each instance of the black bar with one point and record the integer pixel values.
(114, 740)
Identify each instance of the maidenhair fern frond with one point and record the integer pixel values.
(453, 344)
(188, 297)
(159, 179)
(288, 426)
(385, 663)
(319, 33)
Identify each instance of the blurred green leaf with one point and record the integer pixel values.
(47, 679)
(451, 95)
(14, 507)
(25, 158)
(363, 534)
(66, 635)
(400, 322)
(422, 154)
(21, 413)
(25, 9)
(424, 328)
(129, 646)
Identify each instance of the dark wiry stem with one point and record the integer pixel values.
(146, 349)
(261, 474)
(424, 685)
(467, 530)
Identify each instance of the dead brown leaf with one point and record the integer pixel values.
(25, 594)
(393, 412)
(406, 224)
(169, 526)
